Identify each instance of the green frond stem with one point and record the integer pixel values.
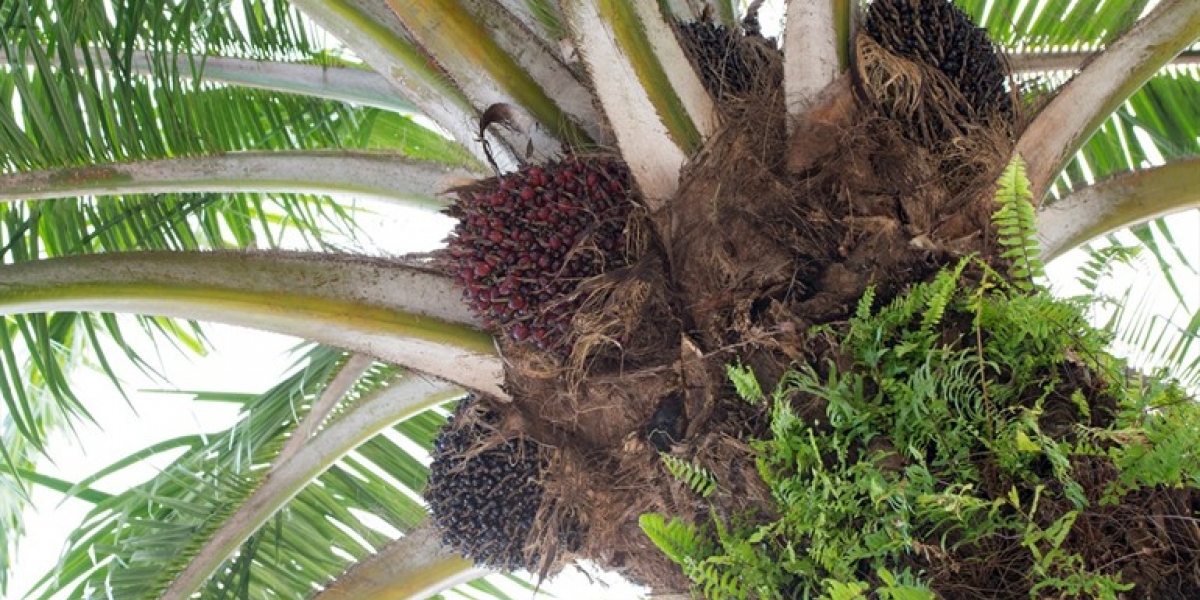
(374, 34)
(331, 82)
(816, 50)
(542, 18)
(640, 118)
(1118, 202)
(632, 36)
(1033, 62)
(362, 421)
(371, 306)
(1083, 104)
(492, 58)
(62, 486)
(389, 177)
(414, 567)
(678, 69)
(342, 383)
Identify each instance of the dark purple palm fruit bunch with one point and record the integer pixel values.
(525, 240)
(939, 34)
(728, 68)
(484, 498)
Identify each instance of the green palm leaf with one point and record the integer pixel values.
(63, 109)
(1051, 23)
(1158, 122)
(317, 533)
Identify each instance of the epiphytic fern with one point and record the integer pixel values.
(1016, 224)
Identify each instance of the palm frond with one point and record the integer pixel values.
(374, 34)
(1062, 127)
(166, 508)
(647, 119)
(180, 513)
(390, 176)
(361, 421)
(1157, 334)
(1126, 200)
(1054, 23)
(413, 567)
(62, 109)
(493, 60)
(405, 315)
(1158, 122)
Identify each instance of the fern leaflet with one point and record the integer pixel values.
(697, 478)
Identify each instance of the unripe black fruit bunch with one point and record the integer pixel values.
(485, 501)
(721, 70)
(939, 34)
(726, 68)
(525, 240)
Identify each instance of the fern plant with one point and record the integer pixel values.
(995, 386)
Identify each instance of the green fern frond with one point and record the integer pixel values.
(744, 382)
(723, 584)
(863, 311)
(697, 478)
(939, 294)
(1016, 224)
(678, 540)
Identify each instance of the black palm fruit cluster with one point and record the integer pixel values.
(939, 34)
(485, 502)
(525, 240)
(727, 70)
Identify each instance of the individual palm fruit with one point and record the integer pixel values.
(525, 240)
(484, 497)
(939, 34)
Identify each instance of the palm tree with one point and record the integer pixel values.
(158, 153)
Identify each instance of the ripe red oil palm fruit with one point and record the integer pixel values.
(526, 239)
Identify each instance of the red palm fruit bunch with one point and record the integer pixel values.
(525, 240)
